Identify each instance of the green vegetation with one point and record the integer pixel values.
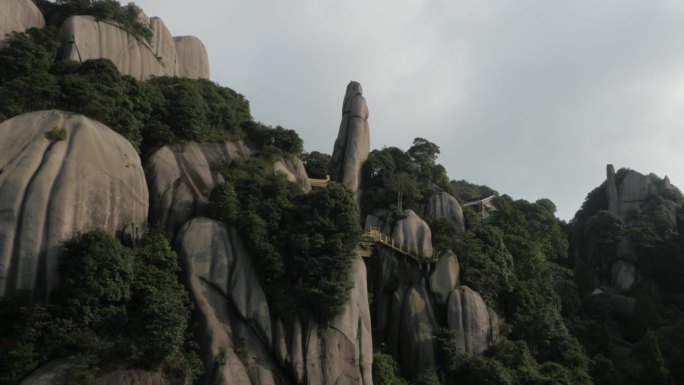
(396, 179)
(303, 244)
(115, 307)
(317, 164)
(386, 370)
(56, 134)
(466, 191)
(150, 114)
(127, 16)
(646, 346)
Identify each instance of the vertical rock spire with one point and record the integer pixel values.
(611, 190)
(353, 140)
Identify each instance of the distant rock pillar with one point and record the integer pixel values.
(611, 190)
(353, 140)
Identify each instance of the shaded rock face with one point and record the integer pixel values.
(53, 373)
(193, 60)
(623, 275)
(445, 278)
(415, 233)
(475, 326)
(294, 171)
(353, 139)
(233, 310)
(181, 176)
(18, 16)
(86, 38)
(443, 205)
(52, 190)
(403, 314)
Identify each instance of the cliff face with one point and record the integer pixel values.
(18, 16)
(86, 38)
(52, 190)
(242, 343)
(407, 298)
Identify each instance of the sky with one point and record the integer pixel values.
(532, 98)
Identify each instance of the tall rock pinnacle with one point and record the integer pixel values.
(353, 140)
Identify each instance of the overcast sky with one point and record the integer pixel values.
(532, 98)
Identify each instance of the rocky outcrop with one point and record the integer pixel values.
(52, 190)
(475, 326)
(442, 205)
(353, 139)
(445, 278)
(18, 16)
(52, 373)
(413, 232)
(628, 196)
(623, 275)
(234, 315)
(180, 177)
(193, 60)
(295, 172)
(86, 38)
(611, 190)
(163, 46)
(403, 314)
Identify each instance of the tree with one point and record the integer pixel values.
(403, 185)
(317, 164)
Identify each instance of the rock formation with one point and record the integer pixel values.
(628, 196)
(294, 171)
(18, 16)
(86, 38)
(445, 278)
(475, 326)
(413, 232)
(163, 46)
(233, 310)
(353, 140)
(403, 314)
(53, 189)
(181, 176)
(442, 205)
(193, 60)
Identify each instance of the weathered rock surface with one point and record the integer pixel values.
(353, 140)
(627, 197)
(233, 310)
(295, 172)
(53, 373)
(474, 325)
(445, 278)
(52, 190)
(86, 38)
(193, 60)
(623, 275)
(18, 16)
(413, 232)
(180, 177)
(403, 314)
(443, 205)
(163, 46)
